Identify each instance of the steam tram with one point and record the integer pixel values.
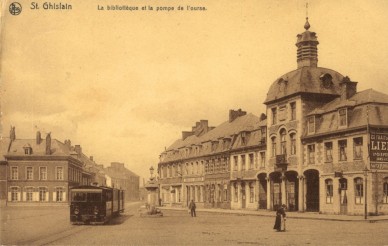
(95, 205)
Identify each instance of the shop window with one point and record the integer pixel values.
(357, 147)
(385, 191)
(328, 152)
(311, 153)
(342, 145)
(358, 190)
(342, 113)
(293, 143)
(329, 190)
(29, 173)
(14, 173)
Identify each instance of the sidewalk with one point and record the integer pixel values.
(293, 215)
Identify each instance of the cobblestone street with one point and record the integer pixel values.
(50, 226)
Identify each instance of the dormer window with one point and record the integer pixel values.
(326, 80)
(243, 138)
(342, 115)
(27, 149)
(311, 124)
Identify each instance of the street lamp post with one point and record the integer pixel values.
(366, 192)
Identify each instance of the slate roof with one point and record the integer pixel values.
(227, 130)
(57, 148)
(363, 105)
(304, 80)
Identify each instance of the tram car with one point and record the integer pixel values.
(95, 204)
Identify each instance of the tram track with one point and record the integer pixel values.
(49, 239)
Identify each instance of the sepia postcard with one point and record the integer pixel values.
(193, 122)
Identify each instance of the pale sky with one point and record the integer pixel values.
(124, 84)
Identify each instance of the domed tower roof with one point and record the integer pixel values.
(305, 80)
(308, 78)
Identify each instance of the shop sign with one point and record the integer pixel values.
(379, 148)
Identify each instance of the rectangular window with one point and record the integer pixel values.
(359, 190)
(251, 161)
(273, 146)
(329, 152)
(251, 192)
(42, 173)
(311, 153)
(29, 194)
(293, 110)
(14, 173)
(342, 145)
(293, 144)
(342, 117)
(59, 194)
(329, 191)
(42, 194)
(262, 159)
(274, 116)
(14, 194)
(59, 173)
(29, 173)
(311, 124)
(243, 162)
(357, 147)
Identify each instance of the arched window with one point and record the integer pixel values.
(273, 147)
(329, 190)
(358, 190)
(385, 190)
(293, 143)
(283, 142)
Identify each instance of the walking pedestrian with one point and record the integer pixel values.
(280, 221)
(192, 208)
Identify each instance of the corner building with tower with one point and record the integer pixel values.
(322, 147)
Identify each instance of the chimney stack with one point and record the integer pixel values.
(348, 88)
(91, 158)
(12, 134)
(48, 144)
(234, 114)
(38, 137)
(78, 149)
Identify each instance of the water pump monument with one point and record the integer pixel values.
(150, 209)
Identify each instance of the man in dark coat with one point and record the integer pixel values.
(192, 208)
(280, 219)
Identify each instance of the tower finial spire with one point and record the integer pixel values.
(307, 24)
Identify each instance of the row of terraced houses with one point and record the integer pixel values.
(321, 146)
(42, 171)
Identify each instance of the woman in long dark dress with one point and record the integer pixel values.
(280, 218)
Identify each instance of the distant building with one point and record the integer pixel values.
(41, 171)
(118, 176)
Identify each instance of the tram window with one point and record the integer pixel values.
(79, 197)
(94, 197)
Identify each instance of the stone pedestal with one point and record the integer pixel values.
(150, 208)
